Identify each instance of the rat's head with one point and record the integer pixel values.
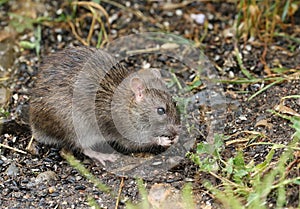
(153, 112)
(150, 111)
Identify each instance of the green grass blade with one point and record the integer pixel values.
(265, 88)
(187, 197)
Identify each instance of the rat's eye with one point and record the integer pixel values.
(161, 111)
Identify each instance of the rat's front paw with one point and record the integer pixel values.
(101, 157)
(166, 141)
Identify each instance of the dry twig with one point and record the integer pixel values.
(119, 193)
(12, 148)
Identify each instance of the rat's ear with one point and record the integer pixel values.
(138, 87)
(155, 72)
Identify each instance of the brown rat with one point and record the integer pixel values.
(83, 99)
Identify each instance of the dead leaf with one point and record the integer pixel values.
(297, 154)
(264, 123)
(172, 6)
(169, 46)
(4, 35)
(286, 110)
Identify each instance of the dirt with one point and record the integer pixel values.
(65, 187)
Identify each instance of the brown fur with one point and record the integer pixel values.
(79, 86)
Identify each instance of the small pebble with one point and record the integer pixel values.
(178, 12)
(17, 194)
(14, 139)
(242, 117)
(54, 194)
(33, 170)
(59, 11)
(245, 52)
(210, 26)
(189, 180)
(231, 74)
(146, 65)
(217, 57)
(80, 187)
(113, 18)
(166, 24)
(58, 30)
(15, 97)
(71, 179)
(32, 39)
(46, 176)
(12, 170)
(59, 38)
(170, 14)
(128, 3)
(198, 18)
(248, 48)
(157, 163)
(51, 190)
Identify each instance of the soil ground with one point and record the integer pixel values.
(65, 187)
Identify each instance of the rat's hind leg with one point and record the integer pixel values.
(44, 138)
(101, 157)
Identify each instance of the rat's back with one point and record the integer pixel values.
(62, 76)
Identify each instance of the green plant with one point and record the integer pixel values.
(144, 203)
(246, 185)
(94, 11)
(282, 74)
(88, 175)
(211, 154)
(3, 113)
(261, 19)
(3, 2)
(75, 20)
(85, 172)
(241, 65)
(188, 197)
(22, 23)
(36, 44)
